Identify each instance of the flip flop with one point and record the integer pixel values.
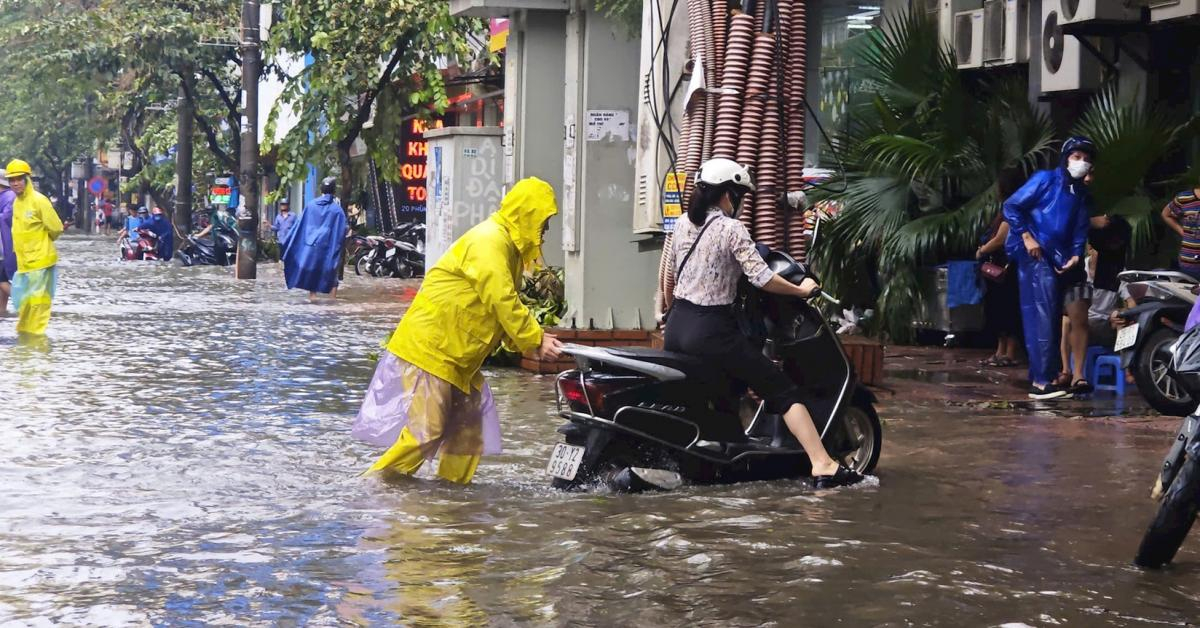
(1005, 362)
(991, 360)
(1082, 387)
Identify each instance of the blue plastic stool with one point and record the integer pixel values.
(1089, 361)
(1103, 363)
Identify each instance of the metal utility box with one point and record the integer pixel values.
(464, 181)
(934, 314)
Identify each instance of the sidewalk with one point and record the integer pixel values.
(917, 377)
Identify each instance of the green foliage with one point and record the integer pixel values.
(375, 56)
(922, 155)
(542, 291)
(96, 73)
(626, 13)
(1133, 140)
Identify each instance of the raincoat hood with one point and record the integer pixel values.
(522, 213)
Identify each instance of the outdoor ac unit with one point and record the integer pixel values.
(1005, 32)
(1065, 65)
(968, 38)
(1074, 11)
(1163, 10)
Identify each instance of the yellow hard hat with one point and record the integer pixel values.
(17, 168)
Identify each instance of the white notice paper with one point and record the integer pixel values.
(605, 123)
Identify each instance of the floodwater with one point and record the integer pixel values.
(178, 454)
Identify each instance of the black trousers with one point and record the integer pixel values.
(712, 333)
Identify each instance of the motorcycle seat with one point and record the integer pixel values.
(692, 366)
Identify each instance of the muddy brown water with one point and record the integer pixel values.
(178, 453)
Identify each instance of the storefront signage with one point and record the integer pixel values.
(413, 154)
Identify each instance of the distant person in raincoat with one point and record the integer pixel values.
(428, 396)
(35, 228)
(1049, 219)
(162, 228)
(8, 256)
(312, 251)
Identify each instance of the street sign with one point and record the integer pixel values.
(97, 186)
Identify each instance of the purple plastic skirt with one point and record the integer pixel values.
(402, 395)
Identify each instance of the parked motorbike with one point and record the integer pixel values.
(641, 419)
(389, 257)
(1164, 299)
(206, 252)
(145, 247)
(1178, 483)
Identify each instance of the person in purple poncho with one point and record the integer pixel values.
(8, 257)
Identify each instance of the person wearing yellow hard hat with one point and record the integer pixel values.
(428, 396)
(35, 227)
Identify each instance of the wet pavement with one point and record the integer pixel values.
(178, 453)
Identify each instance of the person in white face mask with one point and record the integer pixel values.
(1048, 219)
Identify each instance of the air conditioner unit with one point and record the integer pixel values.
(1074, 11)
(1005, 32)
(1065, 65)
(968, 38)
(1163, 10)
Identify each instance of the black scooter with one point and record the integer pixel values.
(643, 419)
(199, 252)
(1178, 484)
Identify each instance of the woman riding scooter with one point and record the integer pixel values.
(708, 253)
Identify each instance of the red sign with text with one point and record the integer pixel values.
(413, 151)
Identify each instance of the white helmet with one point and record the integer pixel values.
(720, 171)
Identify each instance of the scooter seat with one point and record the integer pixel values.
(692, 366)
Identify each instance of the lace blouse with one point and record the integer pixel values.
(724, 254)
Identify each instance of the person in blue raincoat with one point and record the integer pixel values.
(1048, 221)
(161, 227)
(313, 248)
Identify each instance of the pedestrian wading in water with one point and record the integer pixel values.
(35, 227)
(428, 397)
(312, 249)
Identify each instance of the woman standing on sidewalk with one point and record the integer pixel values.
(1001, 301)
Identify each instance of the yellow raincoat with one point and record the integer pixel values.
(467, 304)
(35, 227)
(468, 301)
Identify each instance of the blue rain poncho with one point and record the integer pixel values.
(313, 248)
(161, 227)
(1054, 209)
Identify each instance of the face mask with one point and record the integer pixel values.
(1078, 168)
(158, 218)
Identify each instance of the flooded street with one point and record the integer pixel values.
(178, 453)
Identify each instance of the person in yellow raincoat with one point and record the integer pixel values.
(428, 396)
(35, 227)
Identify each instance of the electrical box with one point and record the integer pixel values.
(464, 182)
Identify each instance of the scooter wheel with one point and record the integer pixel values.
(1174, 519)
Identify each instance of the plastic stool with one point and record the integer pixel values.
(1089, 361)
(1105, 362)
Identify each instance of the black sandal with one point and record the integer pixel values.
(842, 477)
(1082, 387)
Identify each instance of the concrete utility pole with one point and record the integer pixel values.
(183, 162)
(247, 255)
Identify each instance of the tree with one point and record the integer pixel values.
(134, 57)
(376, 60)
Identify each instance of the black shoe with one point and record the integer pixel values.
(842, 477)
(1051, 391)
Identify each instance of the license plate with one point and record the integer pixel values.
(1126, 337)
(564, 462)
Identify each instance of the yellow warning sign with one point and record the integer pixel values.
(673, 194)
